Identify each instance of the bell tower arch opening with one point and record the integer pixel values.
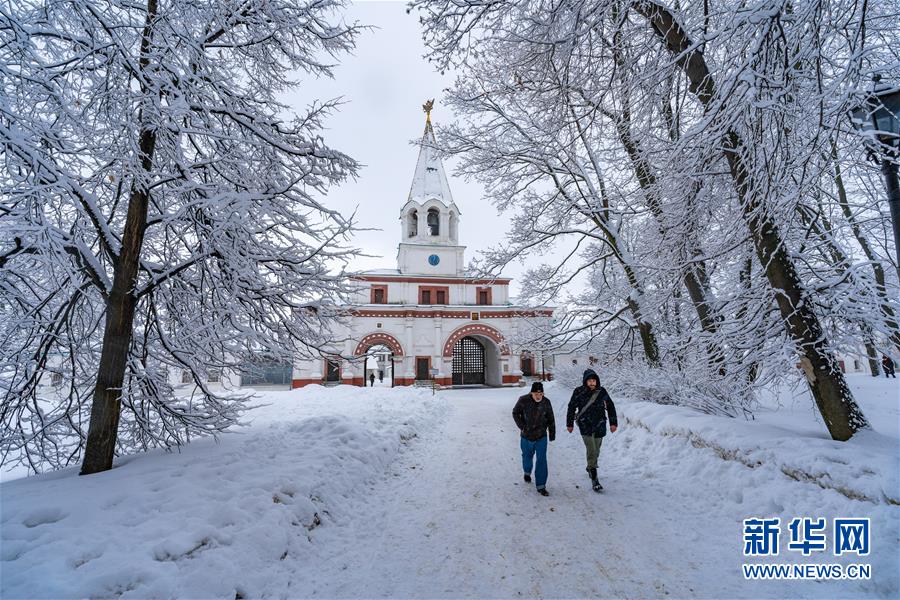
(434, 222)
(454, 227)
(412, 223)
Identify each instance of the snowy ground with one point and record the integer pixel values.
(348, 492)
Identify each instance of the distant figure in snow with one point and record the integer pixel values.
(372, 379)
(380, 376)
(888, 365)
(533, 414)
(589, 406)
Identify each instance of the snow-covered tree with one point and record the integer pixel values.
(706, 135)
(159, 212)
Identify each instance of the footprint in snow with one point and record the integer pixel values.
(44, 516)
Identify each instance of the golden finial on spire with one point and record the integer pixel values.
(429, 104)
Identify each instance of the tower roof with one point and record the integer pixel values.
(429, 180)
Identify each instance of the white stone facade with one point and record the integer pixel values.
(439, 324)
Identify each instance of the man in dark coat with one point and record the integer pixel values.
(887, 364)
(589, 407)
(533, 414)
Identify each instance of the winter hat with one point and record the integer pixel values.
(537, 386)
(589, 374)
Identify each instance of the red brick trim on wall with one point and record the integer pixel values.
(449, 314)
(490, 296)
(475, 330)
(376, 338)
(402, 279)
(299, 383)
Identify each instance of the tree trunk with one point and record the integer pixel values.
(104, 426)
(745, 280)
(872, 357)
(648, 338)
(829, 389)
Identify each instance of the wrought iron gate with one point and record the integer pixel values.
(468, 362)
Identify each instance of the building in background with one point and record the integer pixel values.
(427, 320)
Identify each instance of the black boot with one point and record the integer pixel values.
(527, 477)
(595, 483)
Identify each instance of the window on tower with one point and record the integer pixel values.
(379, 294)
(434, 222)
(433, 294)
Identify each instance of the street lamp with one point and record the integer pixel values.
(878, 118)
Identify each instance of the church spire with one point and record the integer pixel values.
(429, 180)
(429, 104)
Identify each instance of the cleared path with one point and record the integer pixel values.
(455, 519)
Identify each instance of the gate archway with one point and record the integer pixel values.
(378, 351)
(468, 362)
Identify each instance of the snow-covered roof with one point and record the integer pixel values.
(380, 272)
(429, 180)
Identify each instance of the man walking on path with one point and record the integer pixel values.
(372, 380)
(887, 365)
(534, 416)
(589, 406)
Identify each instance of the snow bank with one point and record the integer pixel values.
(218, 519)
(865, 468)
(782, 464)
(787, 432)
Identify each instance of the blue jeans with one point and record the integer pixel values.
(528, 450)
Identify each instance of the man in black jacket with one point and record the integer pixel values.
(533, 414)
(589, 406)
(887, 364)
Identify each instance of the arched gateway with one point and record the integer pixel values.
(380, 362)
(435, 323)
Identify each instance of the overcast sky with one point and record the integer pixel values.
(385, 83)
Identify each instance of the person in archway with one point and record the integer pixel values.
(372, 379)
(380, 376)
(589, 406)
(533, 414)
